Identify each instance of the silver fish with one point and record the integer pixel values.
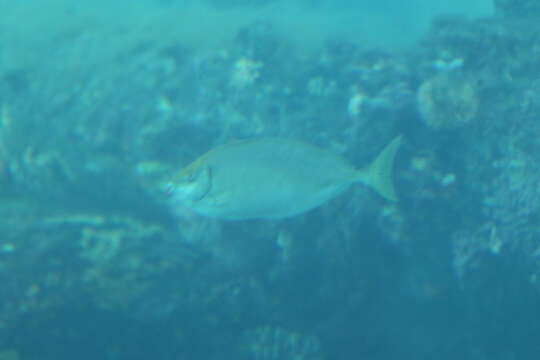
(273, 179)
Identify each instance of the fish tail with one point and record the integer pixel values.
(378, 175)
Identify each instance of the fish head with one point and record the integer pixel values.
(189, 185)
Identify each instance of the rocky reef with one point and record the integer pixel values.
(94, 264)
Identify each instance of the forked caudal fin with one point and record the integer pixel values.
(378, 175)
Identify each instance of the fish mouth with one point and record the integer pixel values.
(188, 193)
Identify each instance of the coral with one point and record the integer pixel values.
(245, 72)
(447, 101)
(9, 355)
(274, 343)
(517, 8)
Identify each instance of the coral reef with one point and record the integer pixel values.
(279, 344)
(94, 263)
(9, 355)
(516, 9)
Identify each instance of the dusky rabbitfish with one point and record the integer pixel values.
(273, 178)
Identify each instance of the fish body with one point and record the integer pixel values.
(272, 179)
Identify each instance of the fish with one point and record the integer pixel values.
(273, 178)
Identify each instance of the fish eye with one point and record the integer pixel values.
(188, 178)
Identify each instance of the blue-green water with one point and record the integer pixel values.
(101, 101)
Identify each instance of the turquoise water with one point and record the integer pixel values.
(102, 102)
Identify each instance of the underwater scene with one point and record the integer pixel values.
(269, 180)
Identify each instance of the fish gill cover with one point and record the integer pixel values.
(100, 101)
